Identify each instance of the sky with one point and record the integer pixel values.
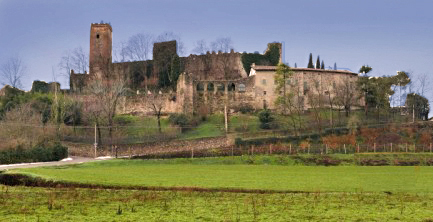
(388, 35)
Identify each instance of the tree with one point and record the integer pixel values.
(222, 44)
(139, 47)
(335, 66)
(323, 65)
(201, 47)
(365, 69)
(12, 72)
(310, 62)
(418, 104)
(76, 60)
(318, 62)
(347, 94)
(156, 104)
(266, 119)
(289, 96)
(296, 66)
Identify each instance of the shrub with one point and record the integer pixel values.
(40, 153)
(266, 118)
(246, 108)
(183, 121)
(124, 119)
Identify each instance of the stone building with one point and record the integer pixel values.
(203, 83)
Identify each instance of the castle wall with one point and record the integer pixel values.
(215, 66)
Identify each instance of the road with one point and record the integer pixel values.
(67, 161)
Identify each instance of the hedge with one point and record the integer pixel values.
(38, 153)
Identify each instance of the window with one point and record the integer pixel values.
(263, 81)
(241, 87)
(97, 36)
(200, 87)
(210, 87)
(221, 87)
(231, 87)
(264, 93)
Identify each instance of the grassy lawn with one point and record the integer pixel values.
(213, 126)
(218, 175)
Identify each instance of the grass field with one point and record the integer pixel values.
(221, 173)
(41, 204)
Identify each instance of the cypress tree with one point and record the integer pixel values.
(323, 65)
(335, 66)
(318, 62)
(296, 66)
(310, 62)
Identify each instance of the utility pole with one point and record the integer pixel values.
(413, 113)
(225, 118)
(96, 143)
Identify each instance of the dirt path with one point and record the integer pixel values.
(70, 160)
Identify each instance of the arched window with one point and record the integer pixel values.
(200, 87)
(210, 87)
(231, 87)
(221, 87)
(241, 87)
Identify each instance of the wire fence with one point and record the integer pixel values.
(271, 149)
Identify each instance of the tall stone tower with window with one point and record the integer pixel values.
(100, 49)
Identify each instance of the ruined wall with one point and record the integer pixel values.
(213, 95)
(215, 66)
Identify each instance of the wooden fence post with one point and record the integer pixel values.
(391, 147)
(345, 149)
(430, 147)
(308, 149)
(406, 147)
(326, 149)
(192, 152)
(357, 148)
(232, 151)
(414, 148)
(374, 147)
(270, 149)
(252, 150)
(290, 149)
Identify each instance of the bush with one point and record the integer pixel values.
(124, 119)
(182, 120)
(246, 108)
(266, 119)
(40, 153)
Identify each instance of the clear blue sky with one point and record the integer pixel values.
(388, 35)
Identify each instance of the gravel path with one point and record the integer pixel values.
(69, 160)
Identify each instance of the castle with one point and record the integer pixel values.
(213, 81)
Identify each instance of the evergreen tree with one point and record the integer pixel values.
(323, 65)
(296, 66)
(335, 66)
(310, 62)
(318, 62)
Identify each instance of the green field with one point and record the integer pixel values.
(38, 204)
(340, 193)
(169, 173)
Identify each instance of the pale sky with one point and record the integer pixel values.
(389, 35)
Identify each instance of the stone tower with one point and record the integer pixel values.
(100, 48)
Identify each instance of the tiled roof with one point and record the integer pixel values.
(273, 68)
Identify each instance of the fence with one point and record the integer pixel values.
(197, 151)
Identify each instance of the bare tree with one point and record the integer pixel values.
(424, 83)
(12, 72)
(156, 104)
(169, 36)
(139, 47)
(346, 94)
(76, 59)
(222, 44)
(120, 52)
(200, 47)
